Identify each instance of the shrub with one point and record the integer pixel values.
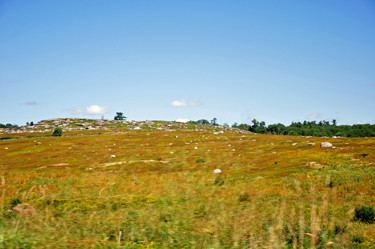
(358, 239)
(219, 181)
(244, 197)
(365, 214)
(200, 160)
(6, 138)
(57, 132)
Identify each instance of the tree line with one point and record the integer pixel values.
(8, 125)
(306, 128)
(312, 128)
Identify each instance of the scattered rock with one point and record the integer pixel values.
(325, 145)
(310, 144)
(216, 171)
(112, 156)
(294, 144)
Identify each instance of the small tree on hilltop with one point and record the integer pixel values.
(120, 116)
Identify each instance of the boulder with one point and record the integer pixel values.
(325, 145)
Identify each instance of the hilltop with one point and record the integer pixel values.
(78, 124)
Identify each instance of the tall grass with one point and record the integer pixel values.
(180, 203)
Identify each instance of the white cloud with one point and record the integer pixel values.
(315, 115)
(31, 103)
(362, 122)
(184, 103)
(182, 120)
(97, 110)
(73, 111)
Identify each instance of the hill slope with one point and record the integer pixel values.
(155, 187)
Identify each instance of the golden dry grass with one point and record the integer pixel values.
(160, 192)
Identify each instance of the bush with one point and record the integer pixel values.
(244, 197)
(219, 181)
(57, 132)
(365, 214)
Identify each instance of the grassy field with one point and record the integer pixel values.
(155, 188)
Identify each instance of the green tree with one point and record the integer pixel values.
(57, 132)
(120, 116)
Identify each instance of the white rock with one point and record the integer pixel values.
(195, 148)
(137, 128)
(113, 156)
(6, 148)
(294, 143)
(171, 152)
(229, 145)
(233, 150)
(216, 171)
(325, 144)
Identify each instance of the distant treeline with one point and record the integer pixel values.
(8, 126)
(311, 128)
(307, 128)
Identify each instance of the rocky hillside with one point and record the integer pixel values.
(72, 124)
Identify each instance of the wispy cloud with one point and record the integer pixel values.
(97, 110)
(184, 103)
(31, 103)
(362, 122)
(312, 116)
(73, 111)
(182, 120)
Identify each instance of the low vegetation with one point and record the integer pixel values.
(155, 188)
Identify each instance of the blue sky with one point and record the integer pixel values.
(275, 61)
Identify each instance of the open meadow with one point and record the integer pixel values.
(122, 187)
